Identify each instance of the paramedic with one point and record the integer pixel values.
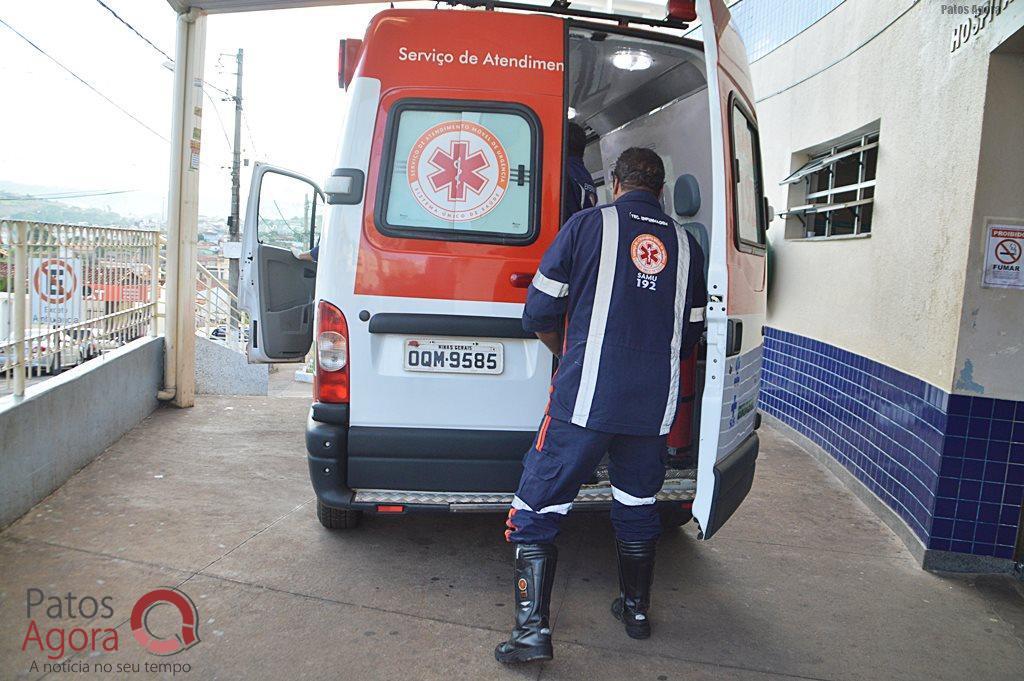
(579, 192)
(312, 255)
(631, 285)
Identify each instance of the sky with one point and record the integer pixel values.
(60, 135)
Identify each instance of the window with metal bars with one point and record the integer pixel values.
(839, 190)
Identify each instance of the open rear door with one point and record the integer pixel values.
(728, 443)
(276, 286)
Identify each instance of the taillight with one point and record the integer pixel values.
(332, 349)
(331, 383)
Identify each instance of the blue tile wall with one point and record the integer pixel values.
(952, 466)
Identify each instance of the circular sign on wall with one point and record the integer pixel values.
(1008, 251)
(55, 281)
(458, 171)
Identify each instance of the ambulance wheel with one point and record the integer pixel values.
(336, 518)
(674, 516)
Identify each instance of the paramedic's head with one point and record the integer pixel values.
(638, 168)
(577, 140)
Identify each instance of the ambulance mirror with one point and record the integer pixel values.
(348, 57)
(345, 187)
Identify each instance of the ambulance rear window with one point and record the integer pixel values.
(460, 171)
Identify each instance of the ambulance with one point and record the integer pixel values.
(447, 191)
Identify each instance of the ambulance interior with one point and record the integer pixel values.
(630, 91)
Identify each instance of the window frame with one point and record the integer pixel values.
(858, 146)
(759, 247)
(385, 172)
(317, 194)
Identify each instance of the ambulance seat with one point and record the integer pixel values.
(686, 204)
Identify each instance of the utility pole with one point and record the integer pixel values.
(236, 162)
(305, 223)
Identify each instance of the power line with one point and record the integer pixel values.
(248, 131)
(220, 120)
(133, 29)
(64, 195)
(84, 82)
(152, 44)
(206, 84)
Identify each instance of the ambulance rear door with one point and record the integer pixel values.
(736, 295)
(275, 287)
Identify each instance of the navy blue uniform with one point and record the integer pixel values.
(580, 192)
(628, 288)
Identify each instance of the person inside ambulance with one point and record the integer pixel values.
(631, 285)
(312, 255)
(579, 191)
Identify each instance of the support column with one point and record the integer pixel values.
(183, 210)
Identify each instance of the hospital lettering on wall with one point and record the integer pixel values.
(470, 58)
(979, 17)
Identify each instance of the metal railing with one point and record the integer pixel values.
(71, 293)
(218, 316)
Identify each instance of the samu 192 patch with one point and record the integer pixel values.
(648, 254)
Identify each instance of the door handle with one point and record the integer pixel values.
(734, 337)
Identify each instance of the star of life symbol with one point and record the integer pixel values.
(648, 254)
(458, 171)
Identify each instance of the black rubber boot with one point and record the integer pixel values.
(534, 576)
(636, 574)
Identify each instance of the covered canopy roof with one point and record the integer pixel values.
(226, 6)
(638, 7)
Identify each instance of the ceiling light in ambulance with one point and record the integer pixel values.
(571, 113)
(632, 60)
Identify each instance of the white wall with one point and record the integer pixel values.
(990, 353)
(64, 422)
(895, 296)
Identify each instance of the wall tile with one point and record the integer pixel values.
(951, 466)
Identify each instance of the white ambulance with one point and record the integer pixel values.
(447, 192)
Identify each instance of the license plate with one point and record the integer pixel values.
(453, 356)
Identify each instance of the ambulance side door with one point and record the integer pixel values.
(735, 311)
(283, 215)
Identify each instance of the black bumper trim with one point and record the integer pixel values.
(326, 412)
(448, 325)
(733, 477)
(436, 459)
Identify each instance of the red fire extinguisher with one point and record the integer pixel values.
(680, 436)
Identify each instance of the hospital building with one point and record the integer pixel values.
(892, 135)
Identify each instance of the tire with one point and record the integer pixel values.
(337, 518)
(674, 515)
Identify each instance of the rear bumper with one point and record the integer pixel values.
(418, 468)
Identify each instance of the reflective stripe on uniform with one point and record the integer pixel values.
(560, 509)
(697, 314)
(539, 446)
(555, 289)
(682, 285)
(598, 315)
(518, 503)
(627, 499)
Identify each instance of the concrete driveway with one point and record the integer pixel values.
(803, 583)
